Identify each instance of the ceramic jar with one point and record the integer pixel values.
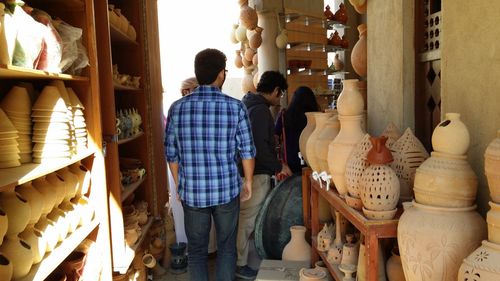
(451, 136)
(338, 63)
(18, 252)
(248, 17)
(59, 187)
(232, 36)
(433, 240)
(320, 265)
(350, 251)
(492, 167)
(17, 209)
(350, 101)
(359, 51)
(83, 175)
(256, 38)
(49, 196)
(324, 239)
(237, 59)
(312, 274)
(306, 132)
(72, 183)
(297, 249)
(84, 208)
(241, 33)
(35, 239)
(482, 264)
(5, 265)
(341, 147)
(71, 214)
(493, 220)
(282, 39)
(61, 221)
(325, 137)
(355, 166)
(311, 144)
(409, 153)
(445, 180)
(34, 198)
(379, 184)
(4, 222)
(394, 268)
(341, 14)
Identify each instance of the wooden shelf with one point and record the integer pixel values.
(125, 88)
(122, 141)
(308, 20)
(314, 47)
(52, 260)
(119, 37)
(30, 171)
(131, 250)
(129, 189)
(16, 72)
(332, 268)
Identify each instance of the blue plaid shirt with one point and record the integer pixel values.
(207, 132)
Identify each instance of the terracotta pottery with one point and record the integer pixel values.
(493, 220)
(306, 132)
(232, 35)
(451, 136)
(482, 264)
(344, 43)
(409, 153)
(17, 209)
(49, 232)
(359, 5)
(335, 251)
(355, 166)
(358, 54)
(5, 265)
(241, 33)
(18, 252)
(248, 17)
(335, 39)
(247, 82)
(312, 274)
(237, 59)
(282, 39)
(323, 239)
(445, 180)
(393, 134)
(49, 196)
(83, 175)
(73, 187)
(249, 53)
(256, 39)
(433, 240)
(59, 186)
(394, 268)
(350, 101)
(328, 13)
(35, 239)
(492, 168)
(338, 63)
(297, 249)
(379, 184)
(4, 222)
(341, 147)
(341, 14)
(324, 138)
(34, 198)
(350, 251)
(311, 144)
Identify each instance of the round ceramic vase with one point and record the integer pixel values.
(451, 135)
(17, 209)
(297, 249)
(359, 51)
(492, 167)
(18, 252)
(394, 268)
(325, 137)
(481, 265)
(493, 220)
(311, 145)
(434, 240)
(350, 101)
(306, 132)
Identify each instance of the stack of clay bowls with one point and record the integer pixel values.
(17, 105)
(51, 130)
(9, 151)
(63, 91)
(80, 127)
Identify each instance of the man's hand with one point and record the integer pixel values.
(246, 191)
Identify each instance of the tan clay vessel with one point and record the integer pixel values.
(297, 249)
(492, 167)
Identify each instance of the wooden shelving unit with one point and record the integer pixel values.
(373, 230)
(16, 72)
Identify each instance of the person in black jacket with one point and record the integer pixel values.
(270, 89)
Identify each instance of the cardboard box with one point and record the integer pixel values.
(278, 270)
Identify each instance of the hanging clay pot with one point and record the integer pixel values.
(394, 268)
(248, 17)
(311, 145)
(341, 14)
(5, 265)
(232, 34)
(237, 59)
(451, 135)
(350, 101)
(359, 5)
(282, 39)
(243, 2)
(492, 167)
(482, 264)
(256, 39)
(18, 252)
(248, 65)
(255, 61)
(17, 209)
(306, 132)
(249, 53)
(325, 137)
(339, 64)
(297, 249)
(34, 198)
(241, 33)
(247, 82)
(433, 240)
(328, 13)
(358, 54)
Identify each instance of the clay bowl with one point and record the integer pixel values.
(379, 215)
(17, 100)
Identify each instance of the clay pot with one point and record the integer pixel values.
(34, 198)
(297, 249)
(73, 187)
(84, 176)
(249, 53)
(35, 239)
(282, 39)
(18, 252)
(256, 39)
(59, 186)
(433, 240)
(339, 64)
(232, 35)
(355, 166)
(71, 214)
(61, 221)
(4, 222)
(328, 13)
(493, 220)
(237, 59)
(492, 168)
(350, 101)
(49, 196)
(17, 210)
(482, 264)
(306, 133)
(324, 138)
(350, 252)
(358, 54)
(344, 43)
(445, 180)
(312, 274)
(5, 265)
(247, 82)
(341, 147)
(49, 232)
(394, 268)
(451, 136)
(241, 33)
(311, 145)
(131, 32)
(248, 17)
(335, 39)
(84, 208)
(320, 265)
(359, 5)
(341, 14)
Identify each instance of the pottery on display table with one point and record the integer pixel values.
(297, 249)
(306, 132)
(312, 274)
(355, 166)
(350, 101)
(325, 137)
(311, 145)
(334, 255)
(481, 265)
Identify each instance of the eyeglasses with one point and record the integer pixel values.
(283, 92)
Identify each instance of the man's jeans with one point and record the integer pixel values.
(197, 222)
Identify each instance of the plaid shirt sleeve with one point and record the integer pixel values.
(244, 138)
(171, 149)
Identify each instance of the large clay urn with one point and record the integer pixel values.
(325, 137)
(492, 167)
(306, 132)
(434, 240)
(350, 101)
(18, 252)
(297, 249)
(358, 54)
(341, 147)
(311, 145)
(481, 265)
(5, 264)
(451, 136)
(17, 209)
(256, 39)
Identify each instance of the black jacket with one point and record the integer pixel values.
(262, 122)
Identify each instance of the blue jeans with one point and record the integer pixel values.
(197, 222)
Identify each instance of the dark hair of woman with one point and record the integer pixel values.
(207, 65)
(303, 101)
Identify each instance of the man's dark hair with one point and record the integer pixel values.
(270, 80)
(207, 64)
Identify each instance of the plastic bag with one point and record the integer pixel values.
(29, 39)
(69, 37)
(50, 57)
